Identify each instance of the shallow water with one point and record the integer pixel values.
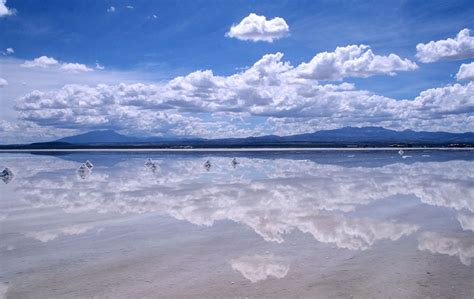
(277, 224)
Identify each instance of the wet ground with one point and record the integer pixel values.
(275, 224)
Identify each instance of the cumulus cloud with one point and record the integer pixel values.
(460, 47)
(8, 51)
(3, 82)
(271, 91)
(4, 10)
(23, 132)
(42, 61)
(47, 62)
(353, 61)
(466, 72)
(111, 9)
(25, 80)
(258, 28)
(6, 126)
(75, 67)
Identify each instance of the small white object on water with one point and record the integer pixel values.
(7, 175)
(401, 152)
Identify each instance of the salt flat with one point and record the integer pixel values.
(277, 224)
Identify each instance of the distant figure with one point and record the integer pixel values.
(207, 165)
(235, 163)
(401, 152)
(6, 175)
(151, 165)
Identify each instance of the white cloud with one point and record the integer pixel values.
(111, 9)
(461, 47)
(4, 10)
(75, 67)
(43, 62)
(353, 61)
(47, 62)
(99, 66)
(258, 28)
(129, 7)
(3, 82)
(8, 51)
(6, 126)
(23, 80)
(466, 72)
(271, 91)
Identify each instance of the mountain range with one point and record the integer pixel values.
(345, 137)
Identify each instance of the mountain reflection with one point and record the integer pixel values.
(273, 197)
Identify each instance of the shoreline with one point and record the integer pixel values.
(239, 149)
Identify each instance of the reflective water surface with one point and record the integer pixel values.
(274, 224)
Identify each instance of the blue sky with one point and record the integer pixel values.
(154, 42)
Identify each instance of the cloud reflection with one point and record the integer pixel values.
(4, 286)
(466, 221)
(436, 243)
(260, 267)
(273, 197)
(50, 235)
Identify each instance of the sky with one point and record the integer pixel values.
(233, 68)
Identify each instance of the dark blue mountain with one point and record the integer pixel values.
(95, 137)
(342, 136)
(110, 137)
(378, 134)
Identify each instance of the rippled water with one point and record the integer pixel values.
(311, 224)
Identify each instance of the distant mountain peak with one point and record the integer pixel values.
(370, 135)
(97, 137)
